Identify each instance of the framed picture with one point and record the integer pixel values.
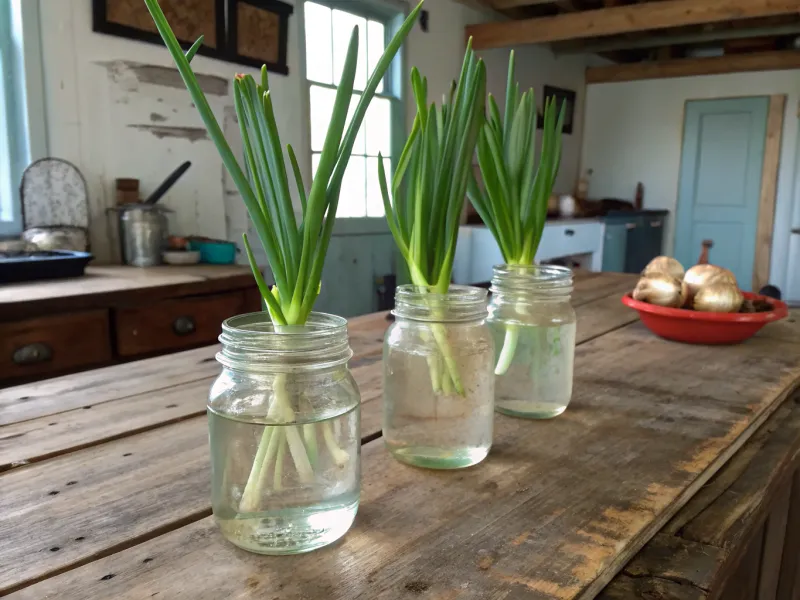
(189, 20)
(258, 33)
(562, 96)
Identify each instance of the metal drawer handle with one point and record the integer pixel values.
(183, 326)
(655, 223)
(569, 232)
(32, 354)
(630, 225)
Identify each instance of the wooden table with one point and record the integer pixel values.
(104, 482)
(113, 314)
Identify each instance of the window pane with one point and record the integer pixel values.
(378, 124)
(358, 146)
(343, 23)
(314, 163)
(352, 199)
(374, 198)
(321, 108)
(375, 47)
(319, 62)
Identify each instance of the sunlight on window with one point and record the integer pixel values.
(327, 38)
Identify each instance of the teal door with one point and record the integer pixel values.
(720, 182)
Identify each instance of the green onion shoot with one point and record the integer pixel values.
(428, 190)
(513, 200)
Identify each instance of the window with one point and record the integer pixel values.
(327, 31)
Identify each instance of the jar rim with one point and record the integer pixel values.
(539, 272)
(459, 303)
(259, 323)
(546, 281)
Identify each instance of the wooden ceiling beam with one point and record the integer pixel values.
(689, 67)
(507, 4)
(623, 19)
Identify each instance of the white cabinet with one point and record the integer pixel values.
(477, 251)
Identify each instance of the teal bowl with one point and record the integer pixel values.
(215, 253)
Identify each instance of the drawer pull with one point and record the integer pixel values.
(33, 354)
(630, 225)
(655, 224)
(183, 326)
(569, 232)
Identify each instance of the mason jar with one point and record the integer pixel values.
(533, 324)
(284, 422)
(438, 385)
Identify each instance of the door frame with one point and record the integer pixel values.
(769, 185)
(769, 190)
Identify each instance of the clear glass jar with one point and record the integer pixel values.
(438, 385)
(284, 421)
(533, 324)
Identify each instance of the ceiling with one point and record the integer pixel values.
(633, 31)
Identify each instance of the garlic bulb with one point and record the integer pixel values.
(662, 290)
(700, 276)
(719, 296)
(664, 264)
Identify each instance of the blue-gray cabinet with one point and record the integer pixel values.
(632, 239)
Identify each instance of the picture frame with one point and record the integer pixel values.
(562, 96)
(131, 19)
(258, 33)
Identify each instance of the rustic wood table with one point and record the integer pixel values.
(673, 466)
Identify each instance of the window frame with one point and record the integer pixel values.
(390, 13)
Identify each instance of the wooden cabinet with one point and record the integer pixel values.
(114, 314)
(632, 240)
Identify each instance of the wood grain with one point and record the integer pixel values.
(554, 512)
(156, 327)
(74, 340)
(622, 19)
(789, 584)
(691, 67)
(769, 189)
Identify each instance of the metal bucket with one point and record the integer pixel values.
(143, 233)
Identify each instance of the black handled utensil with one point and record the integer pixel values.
(168, 183)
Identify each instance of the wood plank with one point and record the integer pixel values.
(789, 584)
(769, 189)
(625, 587)
(774, 537)
(554, 512)
(690, 67)
(744, 583)
(21, 403)
(623, 19)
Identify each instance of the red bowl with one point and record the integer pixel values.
(695, 327)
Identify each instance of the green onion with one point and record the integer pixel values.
(513, 201)
(295, 250)
(429, 186)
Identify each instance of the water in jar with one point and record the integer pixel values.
(438, 429)
(538, 384)
(305, 494)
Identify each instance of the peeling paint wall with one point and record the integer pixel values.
(117, 108)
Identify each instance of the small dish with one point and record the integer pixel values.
(181, 257)
(695, 327)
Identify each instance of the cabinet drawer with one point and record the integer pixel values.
(52, 345)
(559, 240)
(176, 324)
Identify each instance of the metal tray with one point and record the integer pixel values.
(33, 266)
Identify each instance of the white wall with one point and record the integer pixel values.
(633, 132)
(109, 114)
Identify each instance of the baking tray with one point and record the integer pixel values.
(33, 266)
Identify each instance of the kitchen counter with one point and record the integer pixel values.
(115, 313)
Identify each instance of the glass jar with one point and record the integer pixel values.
(533, 324)
(438, 385)
(284, 421)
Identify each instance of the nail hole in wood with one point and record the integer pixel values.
(147, 560)
(86, 407)
(79, 539)
(53, 493)
(55, 549)
(417, 587)
(171, 406)
(107, 577)
(128, 454)
(23, 398)
(71, 482)
(51, 424)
